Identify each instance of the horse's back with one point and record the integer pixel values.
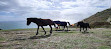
(86, 24)
(57, 22)
(47, 21)
(63, 23)
(82, 24)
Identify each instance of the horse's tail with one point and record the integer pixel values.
(89, 26)
(69, 23)
(54, 25)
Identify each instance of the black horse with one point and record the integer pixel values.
(0, 29)
(83, 25)
(41, 22)
(60, 23)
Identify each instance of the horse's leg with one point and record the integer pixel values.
(51, 29)
(86, 28)
(58, 27)
(37, 30)
(67, 28)
(89, 27)
(80, 29)
(43, 29)
(64, 28)
(83, 28)
(54, 25)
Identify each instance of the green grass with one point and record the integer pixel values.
(104, 47)
(58, 39)
(27, 29)
(68, 32)
(35, 42)
(2, 39)
(19, 29)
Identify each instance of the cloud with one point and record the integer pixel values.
(68, 4)
(79, 13)
(65, 10)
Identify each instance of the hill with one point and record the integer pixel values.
(100, 18)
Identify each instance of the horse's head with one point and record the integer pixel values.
(80, 23)
(34, 20)
(28, 21)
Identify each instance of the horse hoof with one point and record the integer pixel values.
(44, 34)
(50, 34)
(36, 34)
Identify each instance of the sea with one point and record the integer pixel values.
(6, 25)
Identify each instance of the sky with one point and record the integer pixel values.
(63, 10)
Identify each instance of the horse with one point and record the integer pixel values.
(41, 22)
(72, 25)
(0, 29)
(60, 23)
(83, 25)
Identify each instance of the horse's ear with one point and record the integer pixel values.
(27, 18)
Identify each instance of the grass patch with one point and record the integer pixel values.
(34, 43)
(84, 46)
(107, 31)
(19, 29)
(5, 45)
(104, 47)
(1, 45)
(67, 46)
(2, 39)
(62, 33)
(68, 32)
(27, 29)
(108, 35)
(93, 39)
(59, 39)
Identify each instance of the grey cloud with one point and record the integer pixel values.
(45, 14)
(54, 9)
(6, 5)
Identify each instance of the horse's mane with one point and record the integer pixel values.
(60, 21)
(33, 18)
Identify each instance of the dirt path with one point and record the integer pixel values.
(99, 38)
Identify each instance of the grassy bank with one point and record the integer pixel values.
(98, 38)
(19, 29)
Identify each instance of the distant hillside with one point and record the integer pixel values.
(99, 18)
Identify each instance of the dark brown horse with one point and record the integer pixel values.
(83, 25)
(41, 22)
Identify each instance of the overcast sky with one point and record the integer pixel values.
(65, 10)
